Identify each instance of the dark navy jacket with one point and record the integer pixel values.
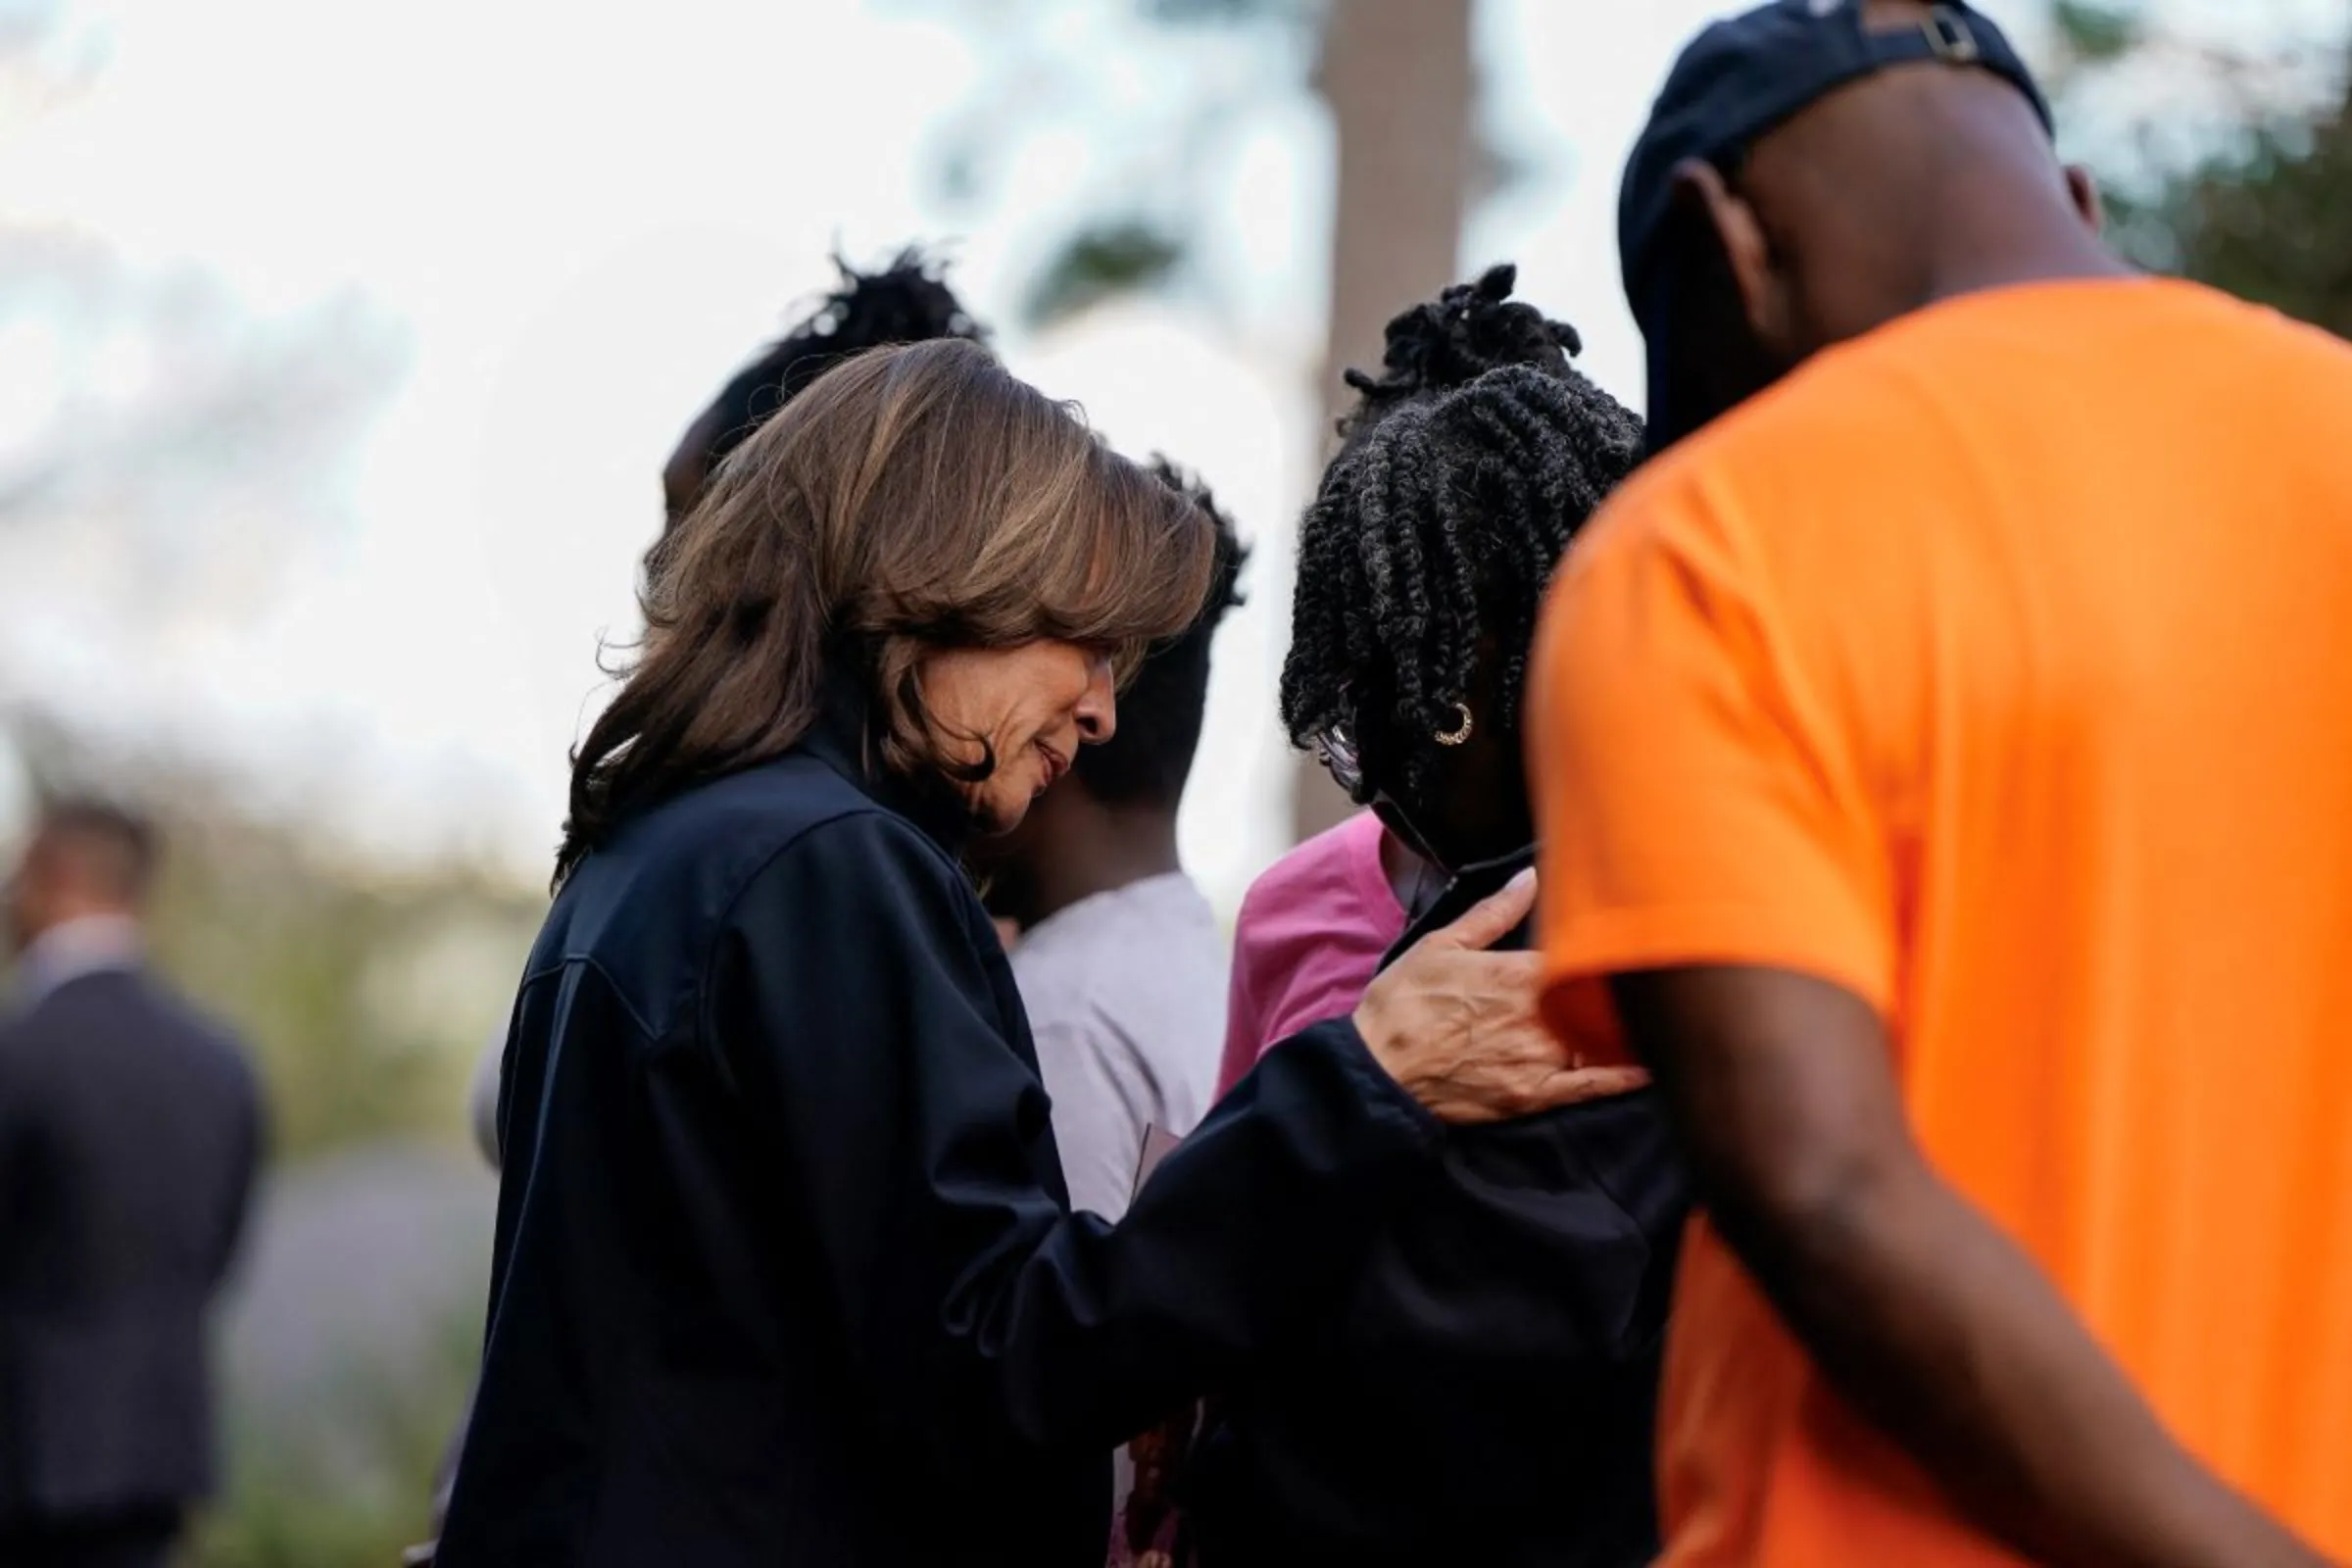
(131, 1131)
(785, 1270)
(1484, 1389)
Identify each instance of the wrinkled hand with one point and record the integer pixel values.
(1456, 1026)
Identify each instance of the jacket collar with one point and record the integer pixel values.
(1464, 888)
(843, 738)
(64, 954)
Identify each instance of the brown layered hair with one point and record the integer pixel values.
(914, 499)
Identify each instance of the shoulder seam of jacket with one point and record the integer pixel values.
(620, 992)
(863, 808)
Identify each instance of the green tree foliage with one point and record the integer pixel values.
(2092, 34)
(2272, 221)
(365, 996)
(285, 1509)
(1098, 262)
(2262, 207)
(1145, 204)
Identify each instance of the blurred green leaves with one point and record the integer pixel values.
(2272, 221)
(1141, 103)
(1097, 263)
(284, 1508)
(2093, 33)
(363, 1014)
(2259, 203)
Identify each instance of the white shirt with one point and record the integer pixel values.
(1125, 993)
(71, 949)
(481, 1097)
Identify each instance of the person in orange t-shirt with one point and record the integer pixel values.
(1943, 756)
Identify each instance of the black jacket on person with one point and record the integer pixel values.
(129, 1133)
(1484, 1389)
(785, 1269)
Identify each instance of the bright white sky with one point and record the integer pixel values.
(574, 220)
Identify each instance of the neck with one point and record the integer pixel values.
(2054, 258)
(1103, 850)
(2008, 216)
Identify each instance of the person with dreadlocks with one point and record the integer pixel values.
(1483, 1390)
(1314, 927)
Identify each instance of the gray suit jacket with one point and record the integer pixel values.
(129, 1134)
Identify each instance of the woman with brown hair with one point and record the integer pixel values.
(785, 1268)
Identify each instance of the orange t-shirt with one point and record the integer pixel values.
(1998, 668)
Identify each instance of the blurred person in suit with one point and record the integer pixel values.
(130, 1130)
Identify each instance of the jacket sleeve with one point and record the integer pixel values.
(12, 1148)
(854, 997)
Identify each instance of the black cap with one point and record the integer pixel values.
(1742, 78)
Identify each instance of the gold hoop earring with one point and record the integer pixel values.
(1459, 734)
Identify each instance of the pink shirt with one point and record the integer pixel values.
(1312, 934)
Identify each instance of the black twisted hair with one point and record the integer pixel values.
(1150, 756)
(1467, 330)
(908, 301)
(1467, 470)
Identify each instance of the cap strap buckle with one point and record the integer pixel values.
(1949, 37)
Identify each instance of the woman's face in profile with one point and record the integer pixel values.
(1033, 706)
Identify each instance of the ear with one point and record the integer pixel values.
(2085, 191)
(1700, 189)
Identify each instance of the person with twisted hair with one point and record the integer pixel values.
(1421, 571)
(1314, 927)
(1481, 1389)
